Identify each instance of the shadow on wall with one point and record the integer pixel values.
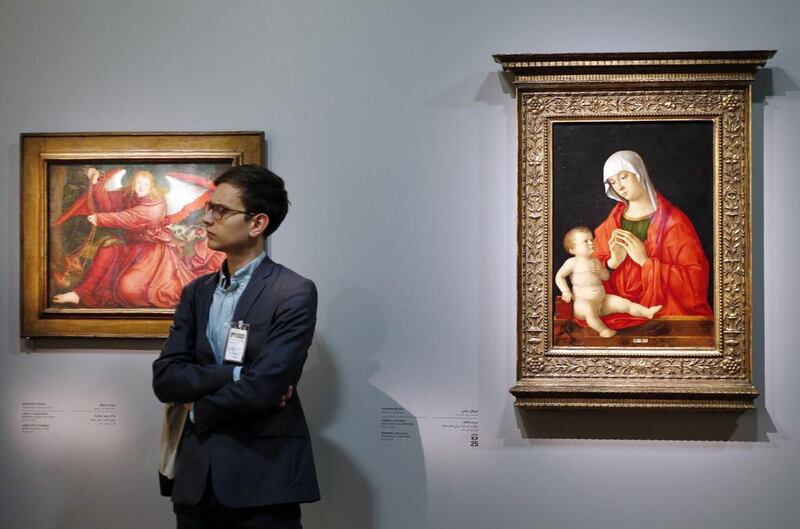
(493, 89)
(771, 82)
(750, 426)
(365, 482)
(347, 495)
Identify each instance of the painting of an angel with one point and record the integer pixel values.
(130, 238)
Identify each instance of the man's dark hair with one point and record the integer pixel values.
(262, 191)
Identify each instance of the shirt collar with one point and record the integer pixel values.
(230, 283)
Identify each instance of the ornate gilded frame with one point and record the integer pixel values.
(40, 317)
(713, 86)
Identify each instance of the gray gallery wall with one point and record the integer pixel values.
(396, 136)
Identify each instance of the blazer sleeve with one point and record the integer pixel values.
(177, 376)
(278, 364)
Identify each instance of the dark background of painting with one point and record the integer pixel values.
(679, 156)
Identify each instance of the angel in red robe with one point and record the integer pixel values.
(650, 247)
(145, 268)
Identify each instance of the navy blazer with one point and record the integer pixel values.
(257, 453)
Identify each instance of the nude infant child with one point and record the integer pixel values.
(586, 274)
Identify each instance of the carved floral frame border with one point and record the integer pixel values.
(729, 110)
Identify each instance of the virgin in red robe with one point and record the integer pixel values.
(146, 270)
(675, 274)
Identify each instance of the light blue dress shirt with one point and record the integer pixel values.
(226, 296)
(223, 305)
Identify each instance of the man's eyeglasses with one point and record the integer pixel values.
(220, 212)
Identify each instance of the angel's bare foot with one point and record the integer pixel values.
(652, 311)
(68, 297)
(607, 333)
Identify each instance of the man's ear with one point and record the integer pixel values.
(260, 224)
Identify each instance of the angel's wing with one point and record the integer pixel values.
(181, 193)
(187, 193)
(114, 180)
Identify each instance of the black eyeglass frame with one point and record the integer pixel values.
(219, 212)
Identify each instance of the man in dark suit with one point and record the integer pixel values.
(234, 355)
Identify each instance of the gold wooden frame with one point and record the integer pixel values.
(713, 86)
(38, 151)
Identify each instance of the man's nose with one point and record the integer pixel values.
(207, 218)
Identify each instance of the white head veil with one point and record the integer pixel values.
(628, 161)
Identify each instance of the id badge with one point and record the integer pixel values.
(236, 344)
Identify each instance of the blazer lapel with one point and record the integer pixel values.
(254, 288)
(205, 294)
